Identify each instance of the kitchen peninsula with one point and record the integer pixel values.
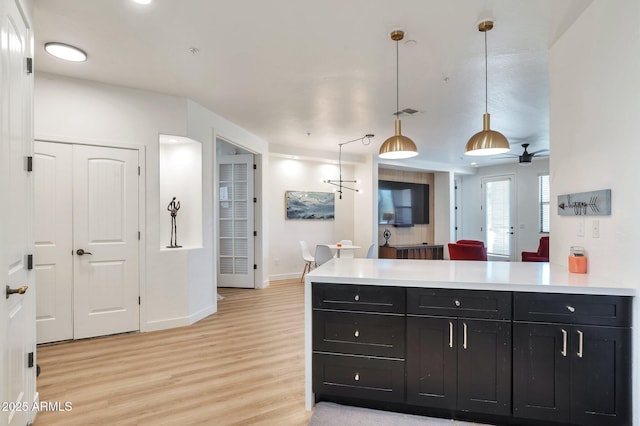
(495, 342)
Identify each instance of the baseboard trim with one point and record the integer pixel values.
(288, 276)
(165, 324)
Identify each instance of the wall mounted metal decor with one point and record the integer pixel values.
(310, 205)
(591, 203)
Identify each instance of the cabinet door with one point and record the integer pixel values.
(541, 365)
(601, 375)
(431, 362)
(484, 366)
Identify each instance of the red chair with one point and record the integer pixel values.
(471, 242)
(542, 255)
(467, 251)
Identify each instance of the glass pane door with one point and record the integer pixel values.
(498, 193)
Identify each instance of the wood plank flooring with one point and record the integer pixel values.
(243, 365)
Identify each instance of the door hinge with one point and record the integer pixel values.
(138, 170)
(29, 261)
(255, 167)
(255, 266)
(139, 300)
(138, 235)
(255, 200)
(29, 65)
(30, 362)
(255, 233)
(29, 164)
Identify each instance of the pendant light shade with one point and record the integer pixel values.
(397, 146)
(486, 142)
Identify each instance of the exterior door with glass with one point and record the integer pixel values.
(498, 193)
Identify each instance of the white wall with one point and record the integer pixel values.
(594, 81)
(284, 235)
(527, 236)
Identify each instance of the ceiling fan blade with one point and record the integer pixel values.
(505, 156)
(539, 151)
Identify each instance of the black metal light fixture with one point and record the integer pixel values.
(340, 183)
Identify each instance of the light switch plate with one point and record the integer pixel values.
(595, 229)
(581, 227)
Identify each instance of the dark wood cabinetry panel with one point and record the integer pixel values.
(368, 298)
(418, 251)
(459, 303)
(359, 333)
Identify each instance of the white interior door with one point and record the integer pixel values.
(499, 213)
(17, 313)
(105, 228)
(235, 221)
(53, 180)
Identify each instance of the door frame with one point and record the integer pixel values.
(142, 207)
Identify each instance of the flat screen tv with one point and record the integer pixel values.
(402, 203)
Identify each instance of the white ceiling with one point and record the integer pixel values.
(283, 69)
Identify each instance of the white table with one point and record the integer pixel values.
(337, 248)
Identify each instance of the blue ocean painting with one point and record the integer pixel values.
(310, 205)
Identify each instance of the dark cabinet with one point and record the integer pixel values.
(417, 251)
(572, 372)
(459, 363)
(358, 342)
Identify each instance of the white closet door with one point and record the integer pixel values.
(499, 213)
(235, 222)
(105, 224)
(53, 237)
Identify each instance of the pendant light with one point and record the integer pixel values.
(397, 146)
(486, 142)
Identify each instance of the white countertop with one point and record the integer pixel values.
(505, 276)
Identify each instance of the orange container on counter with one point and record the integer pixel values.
(577, 260)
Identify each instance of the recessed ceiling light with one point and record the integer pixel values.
(142, 1)
(65, 51)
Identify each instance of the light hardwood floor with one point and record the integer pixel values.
(243, 365)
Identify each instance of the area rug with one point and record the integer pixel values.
(330, 414)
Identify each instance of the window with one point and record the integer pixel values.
(543, 202)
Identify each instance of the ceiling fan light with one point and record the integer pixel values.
(398, 147)
(487, 142)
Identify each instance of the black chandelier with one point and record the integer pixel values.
(341, 183)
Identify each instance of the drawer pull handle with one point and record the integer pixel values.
(580, 341)
(564, 342)
(357, 333)
(357, 378)
(571, 308)
(457, 302)
(357, 297)
(464, 335)
(450, 334)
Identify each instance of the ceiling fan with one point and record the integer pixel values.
(525, 158)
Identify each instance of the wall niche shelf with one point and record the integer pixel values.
(180, 171)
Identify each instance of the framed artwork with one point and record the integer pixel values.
(310, 205)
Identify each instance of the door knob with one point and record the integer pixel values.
(81, 252)
(21, 290)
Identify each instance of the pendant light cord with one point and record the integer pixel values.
(486, 72)
(397, 81)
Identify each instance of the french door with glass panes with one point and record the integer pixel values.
(235, 221)
(498, 193)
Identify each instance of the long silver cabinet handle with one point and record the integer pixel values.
(464, 336)
(564, 342)
(580, 342)
(450, 334)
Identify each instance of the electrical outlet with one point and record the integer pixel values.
(580, 227)
(595, 229)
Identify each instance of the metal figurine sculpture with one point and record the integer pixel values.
(173, 207)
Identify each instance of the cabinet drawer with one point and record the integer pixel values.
(573, 309)
(459, 303)
(367, 298)
(358, 377)
(359, 333)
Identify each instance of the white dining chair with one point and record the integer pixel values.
(323, 254)
(309, 260)
(371, 253)
(346, 253)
